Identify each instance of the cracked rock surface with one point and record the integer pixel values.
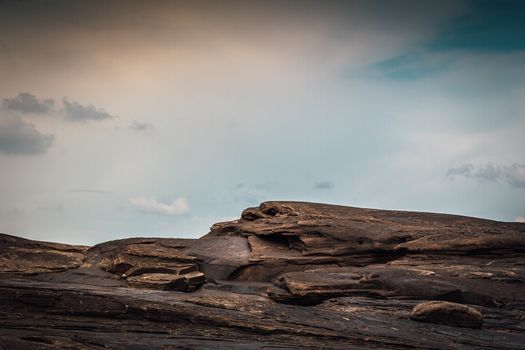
(284, 275)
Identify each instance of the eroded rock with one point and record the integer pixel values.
(18, 255)
(451, 314)
(332, 230)
(149, 263)
(167, 281)
(311, 287)
(360, 272)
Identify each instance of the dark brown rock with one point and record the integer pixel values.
(332, 230)
(398, 281)
(18, 255)
(220, 257)
(168, 281)
(149, 263)
(285, 275)
(451, 314)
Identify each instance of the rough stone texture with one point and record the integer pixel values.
(168, 281)
(18, 255)
(285, 275)
(331, 230)
(388, 281)
(443, 312)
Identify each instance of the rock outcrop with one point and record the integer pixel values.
(284, 275)
(22, 256)
(443, 312)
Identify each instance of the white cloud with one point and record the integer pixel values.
(520, 219)
(150, 205)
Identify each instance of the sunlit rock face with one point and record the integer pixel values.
(284, 275)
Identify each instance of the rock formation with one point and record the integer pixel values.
(284, 275)
(444, 312)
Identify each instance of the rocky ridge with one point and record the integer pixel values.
(284, 275)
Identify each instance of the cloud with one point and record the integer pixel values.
(520, 219)
(488, 172)
(75, 112)
(28, 103)
(20, 138)
(465, 170)
(514, 175)
(139, 126)
(324, 185)
(149, 205)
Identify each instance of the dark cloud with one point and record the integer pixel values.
(324, 185)
(28, 103)
(465, 170)
(514, 175)
(139, 126)
(75, 112)
(19, 137)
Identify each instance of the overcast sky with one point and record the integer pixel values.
(127, 118)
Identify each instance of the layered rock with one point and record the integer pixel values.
(285, 275)
(18, 255)
(351, 233)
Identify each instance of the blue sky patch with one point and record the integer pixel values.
(486, 26)
(413, 66)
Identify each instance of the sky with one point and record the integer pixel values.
(160, 118)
